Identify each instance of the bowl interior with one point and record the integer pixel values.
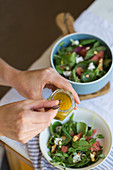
(79, 36)
(86, 116)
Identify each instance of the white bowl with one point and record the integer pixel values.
(83, 115)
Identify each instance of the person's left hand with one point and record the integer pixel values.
(31, 83)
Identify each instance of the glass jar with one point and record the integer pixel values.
(66, 101)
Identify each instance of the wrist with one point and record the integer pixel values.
(12, 77)
(8, 74)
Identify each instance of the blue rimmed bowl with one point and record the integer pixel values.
(90, 87)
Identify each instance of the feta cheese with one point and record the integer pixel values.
(79, 59)
(91, 66)
(66, 73)
(56, 141)
(76, 158)
(76, 42)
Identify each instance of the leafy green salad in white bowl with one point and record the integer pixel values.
(81, 141)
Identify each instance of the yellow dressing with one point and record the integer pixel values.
(65, 101)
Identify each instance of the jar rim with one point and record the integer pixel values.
(65, 92)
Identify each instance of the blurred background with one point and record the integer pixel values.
(27, 29)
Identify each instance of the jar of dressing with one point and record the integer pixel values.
(66, 101)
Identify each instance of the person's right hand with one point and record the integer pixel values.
(25, 119)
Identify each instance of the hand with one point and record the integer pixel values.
(31, 83)
(20, 122)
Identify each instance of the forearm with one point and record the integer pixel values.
(8, 74)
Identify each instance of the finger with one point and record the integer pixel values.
(62, 83)
(41, 117)
(37, 104)
(50, 86)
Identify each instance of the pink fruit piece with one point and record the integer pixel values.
(96, 146)
(79, 135)
(98, 56)
(79, 71)
(64, 149)
(63, 66)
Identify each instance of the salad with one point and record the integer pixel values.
(74, 144)
(82, 61)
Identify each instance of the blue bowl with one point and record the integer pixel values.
(90, 87)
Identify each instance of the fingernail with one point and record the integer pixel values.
(78, 100)
(56, 107)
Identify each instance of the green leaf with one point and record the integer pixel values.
(55, 124)
(73, 150)
(71, 117)
(99, 136)
(68, 137)
(65, 155)
(100, 48)
(102, 156)
(74, 76)
(51, 130)
(81, 145)
(90, 132)
(88, 76)
(96, 44)
(88, 41)
(69, 59)
(89, 54)
(58, 154)
(81, 127)
(107, 62)
(92, 141)
(60, 163)
(72, 59)
(59, 69)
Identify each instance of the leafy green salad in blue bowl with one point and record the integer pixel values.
(84, 60)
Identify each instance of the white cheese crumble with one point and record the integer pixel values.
(76, 42)
(58, 128)
(56, 141)
(91, 66)
(79, 59)
(76, 158)
(67, 73)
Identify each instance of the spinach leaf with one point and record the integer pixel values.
(52, 128)
(60, 163)
(96, 44)
(86, 42)
(99, 136)
(102, 156)
(81, 145)
(74, 76)
(68, 137)
(90, 132)
(88, 76)
(59, 69)
(92, 141)
(81, 127)
(107, 62)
